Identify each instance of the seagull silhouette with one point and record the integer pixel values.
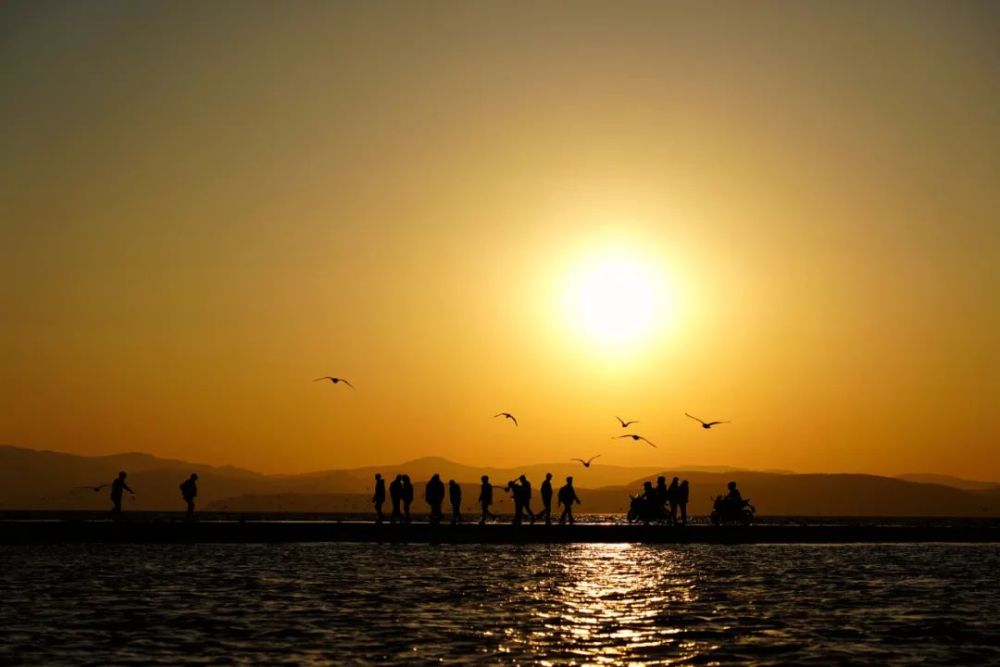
(625, 424)
(95, 489)
(334, 380)
(507, 415)
(586, 464)
(634, 437)
(705, 424)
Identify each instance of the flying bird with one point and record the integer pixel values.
(634, 437)
(93, 488)
(507, 415)
(334, 380)
(705, 424)
(625, 424)
(586, 464)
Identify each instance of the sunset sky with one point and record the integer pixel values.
(786, 215)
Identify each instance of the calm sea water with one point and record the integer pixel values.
(305, 603)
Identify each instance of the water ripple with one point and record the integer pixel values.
(558, 604)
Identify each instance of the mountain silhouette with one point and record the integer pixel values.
(948, 480)
(36, 480)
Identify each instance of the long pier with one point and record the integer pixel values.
(235, 532)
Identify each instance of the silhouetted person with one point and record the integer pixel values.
(650, 501)
(434, 495)
(407, 497)
(189, 490)
(378, 498)
(567, 496)
(546, 491)
(734, 498)
(396, 497)
(515, 494)
(455, 498)
(683, 492)
(661, 492)
(672, 499)
(485, 499)
(649, 494)
(526, 497)
(118, 487)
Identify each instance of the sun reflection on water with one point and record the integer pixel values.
(609, 602)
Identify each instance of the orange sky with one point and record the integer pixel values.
(205, 206)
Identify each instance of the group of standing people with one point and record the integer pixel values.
(401, 497)
(668, 500)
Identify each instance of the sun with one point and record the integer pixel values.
(617, 298)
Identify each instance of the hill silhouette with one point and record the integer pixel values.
(948, 480)
(33, 479)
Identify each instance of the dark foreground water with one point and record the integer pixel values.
(766, 604)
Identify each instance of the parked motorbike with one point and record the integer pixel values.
(641, 509)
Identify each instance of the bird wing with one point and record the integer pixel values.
(580, 460)
(513, 419)
(621, 421)
(694, 418)
(347, 383)
(593, 457)
(615, 437)
(714, 423)
(325, 377)
(648, 441)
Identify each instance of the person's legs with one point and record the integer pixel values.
(190, 509)
(684, 514)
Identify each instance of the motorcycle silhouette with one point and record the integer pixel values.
(725, 512)
(642, 509)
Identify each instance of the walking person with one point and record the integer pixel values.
(119, 487)
(485, 500)
(515, 495)
(455, 498)
(546, 492)
(683, 492)
(434, 495)
(526, 498)
(407, 498)
(396, 497)
(378, 498)
(567, 497)
(189, 490)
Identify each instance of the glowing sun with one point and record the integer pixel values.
(617, 298)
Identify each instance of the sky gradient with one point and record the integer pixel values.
(204, 206)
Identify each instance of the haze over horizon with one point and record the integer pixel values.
(785, 216)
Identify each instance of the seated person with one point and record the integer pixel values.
(734, 499)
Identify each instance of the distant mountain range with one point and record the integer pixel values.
(32, 479)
